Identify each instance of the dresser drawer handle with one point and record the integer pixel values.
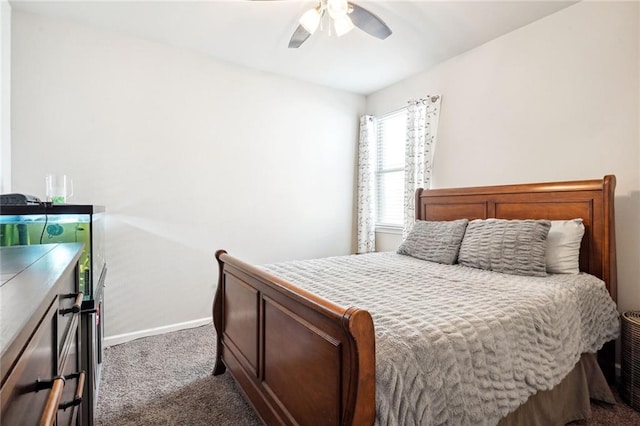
(76, 305)
(77, 399)
(53, 400)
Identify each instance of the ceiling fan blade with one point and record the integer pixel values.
(368, 22)
(299, 36)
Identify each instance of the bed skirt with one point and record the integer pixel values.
(553, 407)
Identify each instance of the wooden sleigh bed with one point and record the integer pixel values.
(301, 359)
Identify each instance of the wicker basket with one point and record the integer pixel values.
(630, 380)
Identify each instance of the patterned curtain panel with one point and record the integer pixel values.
(366, 185)
(422, 126)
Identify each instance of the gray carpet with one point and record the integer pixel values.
(166, 380)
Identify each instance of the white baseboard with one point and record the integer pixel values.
(127, 337)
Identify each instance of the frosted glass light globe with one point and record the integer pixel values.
(337, 8)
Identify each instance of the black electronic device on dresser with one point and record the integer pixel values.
(47, 223)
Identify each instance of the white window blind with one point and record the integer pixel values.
(391, 138)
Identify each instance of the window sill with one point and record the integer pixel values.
(386, 229)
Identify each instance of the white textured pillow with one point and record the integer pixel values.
(563, 246)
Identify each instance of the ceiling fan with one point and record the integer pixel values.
(344, 15)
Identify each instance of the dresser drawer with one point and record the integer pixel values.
(69, 367)
(22, 404)
(69, 304)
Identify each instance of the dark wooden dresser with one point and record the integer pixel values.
(40, 340)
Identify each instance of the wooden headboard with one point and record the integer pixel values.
(591, 200)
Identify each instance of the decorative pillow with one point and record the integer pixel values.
(434, 241)
(509, 246)
(563, 246)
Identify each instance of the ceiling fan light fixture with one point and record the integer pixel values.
(343, 16)
(342, 25)
(310, 20)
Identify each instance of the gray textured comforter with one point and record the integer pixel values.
(457, 345)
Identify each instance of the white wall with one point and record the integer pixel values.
(188, 154)
(5, 97)
(555, 100)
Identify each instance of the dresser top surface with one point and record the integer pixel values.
(16, 259)
(29, 276)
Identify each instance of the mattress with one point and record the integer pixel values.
(458, 345)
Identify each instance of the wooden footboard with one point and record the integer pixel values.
(299, 359)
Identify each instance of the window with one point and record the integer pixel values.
(391, 138)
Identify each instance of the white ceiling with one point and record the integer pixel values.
(256, 33)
